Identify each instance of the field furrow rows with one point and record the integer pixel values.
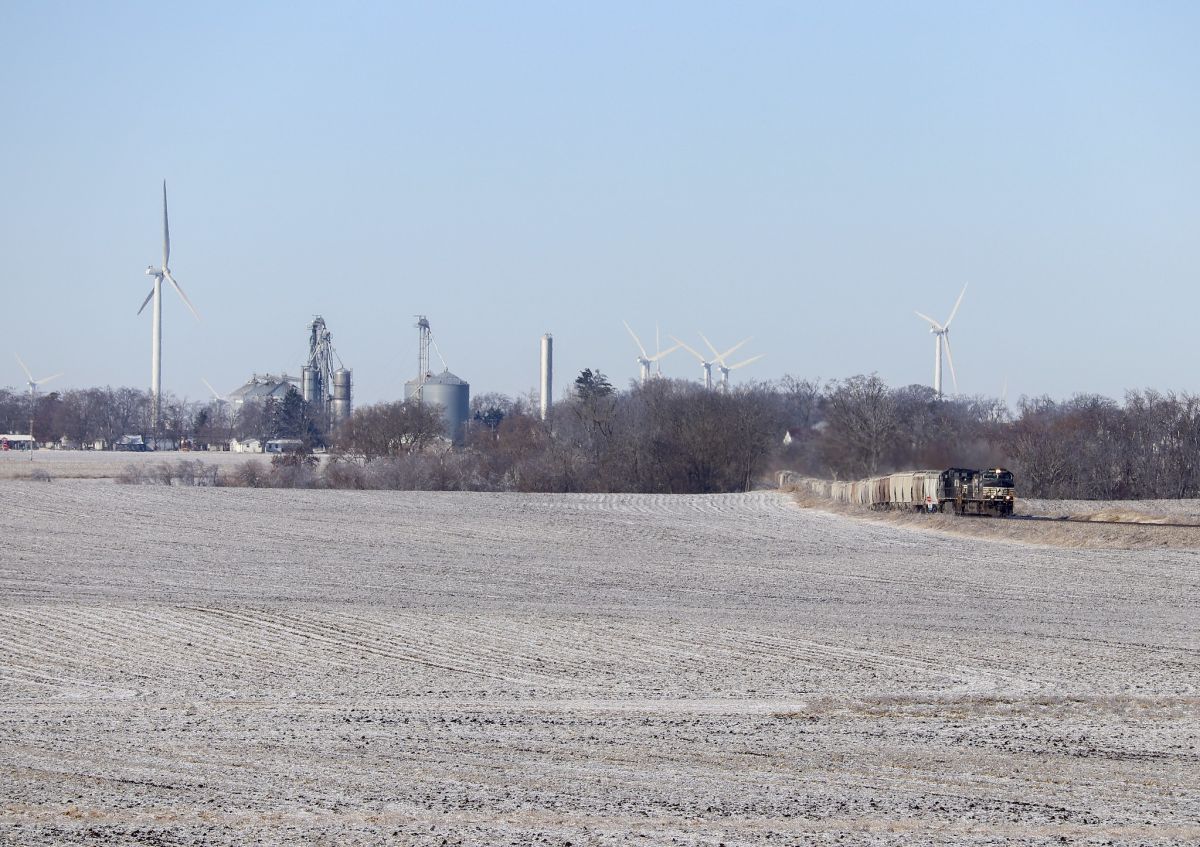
(224, 666)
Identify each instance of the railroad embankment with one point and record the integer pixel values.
(1087, 524)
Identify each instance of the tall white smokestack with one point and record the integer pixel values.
(547, 373)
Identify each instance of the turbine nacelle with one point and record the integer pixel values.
(159, 275)
(722, 363)
(30, 381)
(644, 359)
(941, 333)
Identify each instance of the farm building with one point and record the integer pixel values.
(262, 387)
(14, 441)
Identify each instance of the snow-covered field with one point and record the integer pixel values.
(105, 464)
(236, 666)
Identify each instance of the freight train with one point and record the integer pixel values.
(963, 491)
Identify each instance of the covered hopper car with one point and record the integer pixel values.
(963, 491)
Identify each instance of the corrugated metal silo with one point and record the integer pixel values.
(341, 395)
(449, 392)
(309, 386)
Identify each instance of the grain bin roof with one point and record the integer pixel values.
(445, 378)
(263, 387)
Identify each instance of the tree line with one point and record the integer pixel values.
(667, 436)
(673, 436)
(1087, 447)
(84, 417)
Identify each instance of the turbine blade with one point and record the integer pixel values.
(46, 378)
(22, 364)
(195, 314)
(663, 353)
(210, 388)
(950, 359)
(710, 347)
(147, 300)
(166, 230)
(636, 340)
(733, 348)
(936, 325)
(743, 364)
(689, 349)
(954, 311)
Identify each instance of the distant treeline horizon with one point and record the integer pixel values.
(674, 436)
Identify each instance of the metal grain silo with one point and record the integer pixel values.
(452, 394)
(310, 386)
(341, 395)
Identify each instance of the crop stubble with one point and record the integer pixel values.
(180, 666)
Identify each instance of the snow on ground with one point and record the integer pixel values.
(234, 666)
(1095, 524)
(1187, 511)
(106, 464)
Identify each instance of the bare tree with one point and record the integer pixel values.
(390, 429)
(863, 420)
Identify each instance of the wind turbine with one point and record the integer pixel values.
(723, 365)
(941, 334)
(33, 384)
(216, 394)
(222, 401)
(704, 363)
(156, 329)
(645, 359)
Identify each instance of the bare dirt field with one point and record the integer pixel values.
(184, 666)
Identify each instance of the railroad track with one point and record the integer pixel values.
(1102, 521)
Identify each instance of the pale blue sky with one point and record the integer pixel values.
(808, 174)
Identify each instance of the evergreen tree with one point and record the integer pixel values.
(287, 418)
(592, 385)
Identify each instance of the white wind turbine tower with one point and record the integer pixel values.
(941, 334)
(156, 329)
(645, 359)
(33, 384)
(704, 363)
(723, 365)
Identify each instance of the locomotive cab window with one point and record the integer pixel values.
(998, 479)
